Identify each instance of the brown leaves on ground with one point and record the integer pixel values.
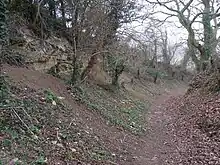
(197, 128)
(59, 136)
(207, 82)
(189, 124)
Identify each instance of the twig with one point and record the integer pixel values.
(38, 12)
(27, 114)
(70, 124)
(22, 121)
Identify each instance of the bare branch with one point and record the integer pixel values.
(167, 7)
(186, 6)
(194, 18)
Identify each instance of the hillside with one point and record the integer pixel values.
(109, 83)
(196, 127)
(45, 119)
(42, 122)
(67, 131)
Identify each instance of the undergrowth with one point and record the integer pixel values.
(34, 131)
(118, 107)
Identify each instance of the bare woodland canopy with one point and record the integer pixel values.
(95, 25)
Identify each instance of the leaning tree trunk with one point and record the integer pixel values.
(92, 62)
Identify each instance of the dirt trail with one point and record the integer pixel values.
(152, 149)
(158, 147)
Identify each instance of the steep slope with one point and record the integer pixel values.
(83, 135)
(196, 128)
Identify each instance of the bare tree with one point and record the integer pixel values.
(203, 12)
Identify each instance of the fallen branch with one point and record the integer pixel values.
(13, 110)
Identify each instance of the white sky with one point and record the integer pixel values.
(175, 33)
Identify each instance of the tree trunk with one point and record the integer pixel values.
(3, 40)
(173, 74)
(138, 73)
(118, 71)
(192, 52)
(208, 31)
(182, 77)
(155, 78)
(115, 79)
(75, 68)
(3, 23)
(62, 9)
(3, 31)
(75, 16)
(91, 63)
(165, 53)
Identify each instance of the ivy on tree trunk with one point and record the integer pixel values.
(119, 68)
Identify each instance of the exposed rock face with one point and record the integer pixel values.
(41, 54)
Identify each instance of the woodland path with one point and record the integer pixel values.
(155, 148)
(158, 147)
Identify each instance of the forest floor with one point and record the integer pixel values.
(65, 131)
